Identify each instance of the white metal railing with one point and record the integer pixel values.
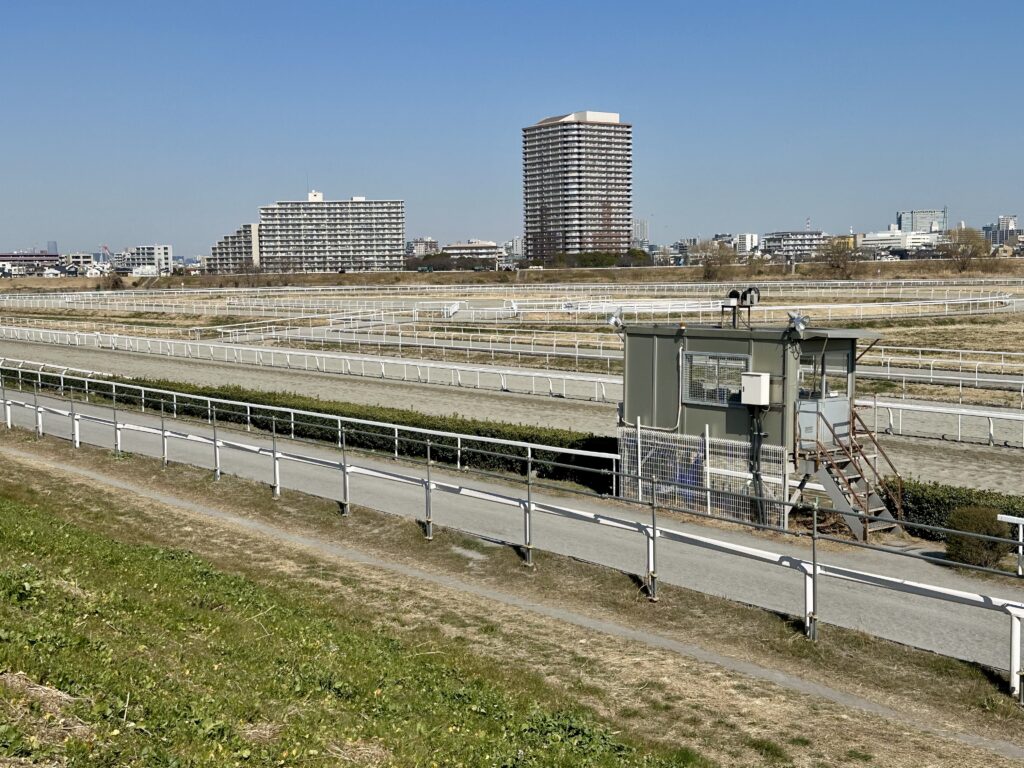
(30, 373)
(526, 507)
(937, 297)
(523, 381)
(946, 421)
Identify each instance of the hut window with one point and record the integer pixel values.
(712, 378)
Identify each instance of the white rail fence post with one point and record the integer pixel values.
(163, 441)
(346, 508)
(1015, 675)
(528, 511)
(216, 446)
(811, 582)
(652, 554)
(428, 522)
(277, 459)
(39, 412)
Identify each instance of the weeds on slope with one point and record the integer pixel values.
(112, 654)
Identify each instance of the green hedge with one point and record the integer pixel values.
(508, 459)
(933, 503)
(970, 549)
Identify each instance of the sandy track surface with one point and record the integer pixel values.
(428, 398)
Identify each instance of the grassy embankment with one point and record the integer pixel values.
(112, 654)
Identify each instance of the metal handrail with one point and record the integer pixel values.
(881, 451)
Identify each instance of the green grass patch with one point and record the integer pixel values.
(163, 660)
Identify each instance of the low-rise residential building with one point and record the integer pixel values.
(419, 247)
(78, 259)
(150, 259)
(793, 245)
(475, 249)
(27, 262)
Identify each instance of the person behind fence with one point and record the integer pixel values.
(690, 475)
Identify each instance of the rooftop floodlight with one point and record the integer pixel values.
(615, 321)
(798, 322)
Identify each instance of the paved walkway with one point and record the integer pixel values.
(335, 550)
(955, 630)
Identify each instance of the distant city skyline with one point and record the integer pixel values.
(746, 118)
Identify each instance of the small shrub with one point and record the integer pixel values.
(971, 550)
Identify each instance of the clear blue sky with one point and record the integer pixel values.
(140, 122)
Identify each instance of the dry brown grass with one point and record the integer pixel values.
(1004, 332)
(642, 689)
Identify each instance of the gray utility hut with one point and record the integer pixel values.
(741, 410)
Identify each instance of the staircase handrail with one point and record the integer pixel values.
(881, 451)
(824, 453)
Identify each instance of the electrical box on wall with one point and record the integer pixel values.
(754, 389)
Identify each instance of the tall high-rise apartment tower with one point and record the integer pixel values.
(577, 185)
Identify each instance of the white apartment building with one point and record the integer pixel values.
(419, 247)
(237, 253)
(746, 242)
(793, 245)
(474, 249)
(514, 248)
(317, 235)
(577, 185)
(148, 259)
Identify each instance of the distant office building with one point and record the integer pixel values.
(474, 249)
(893, 239)
(145, 259)
(794, 245)
(746, 242)
(641, 234)
(237, 253)
(577, 185)
(514, 248)
(317, 235)
(51, 248)
(1000, 232)
(929, 220)
(419, 247)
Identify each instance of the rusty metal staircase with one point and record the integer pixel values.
(847, 467)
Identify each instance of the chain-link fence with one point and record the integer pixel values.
(708, 476)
